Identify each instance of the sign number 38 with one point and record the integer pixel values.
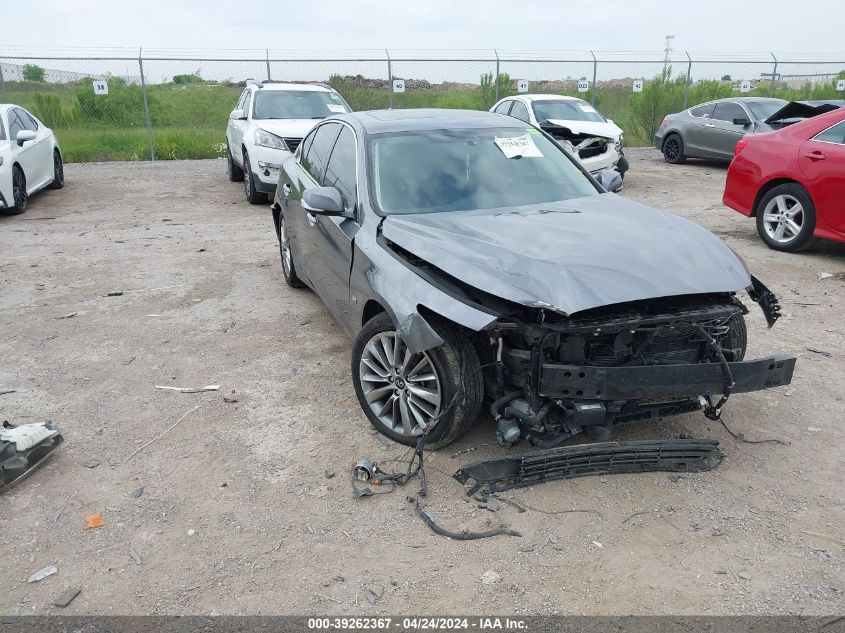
(101, 88)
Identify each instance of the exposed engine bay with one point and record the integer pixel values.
(553, 377)
(583, 145)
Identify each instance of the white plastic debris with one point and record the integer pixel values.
(190, 389)
(41, 574)
(597, 544)
(26, 436)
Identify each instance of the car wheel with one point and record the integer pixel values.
(786, 218)
(673, 149)
(253, 196)
(235, 173)
(58, 171)
(402, 393)
(288, 267)
(19, 196)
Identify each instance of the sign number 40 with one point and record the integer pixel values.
(101, 88)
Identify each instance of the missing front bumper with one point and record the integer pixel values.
(662, 381)
(518, 471)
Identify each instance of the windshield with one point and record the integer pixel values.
(762, 110)
(568, 110)
(297, 104)
(462, 170)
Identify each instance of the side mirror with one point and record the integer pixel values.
(237, 114)
(610, 180)
(23, 136)
(741, 120)
(323, 201)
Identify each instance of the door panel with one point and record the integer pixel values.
(26, 155)
(694, 126)
(236, 130)
(724, 135)
(332, 236)
(823, 166)
(42, 149)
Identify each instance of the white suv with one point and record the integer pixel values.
(575, 124)
(267, 125)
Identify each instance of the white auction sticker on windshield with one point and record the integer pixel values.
(333, 107)
(518, 146)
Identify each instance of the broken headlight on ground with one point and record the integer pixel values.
(554, 377)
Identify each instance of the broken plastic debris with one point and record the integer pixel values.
(41, 574)
(190, 389)
(93, 521)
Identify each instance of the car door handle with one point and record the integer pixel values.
(817, 155)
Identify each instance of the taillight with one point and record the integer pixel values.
(740, 145)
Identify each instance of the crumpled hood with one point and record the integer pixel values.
(799, 110)
(593, 128)
(572, 255)
(287, 128)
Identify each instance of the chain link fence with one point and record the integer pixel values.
(120, 104)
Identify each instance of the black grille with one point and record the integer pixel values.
(593, 150)
(292, 143)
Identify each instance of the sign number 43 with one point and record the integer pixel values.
(101, 88)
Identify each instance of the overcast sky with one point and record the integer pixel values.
(716, 25)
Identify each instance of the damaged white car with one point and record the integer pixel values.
(581, 129)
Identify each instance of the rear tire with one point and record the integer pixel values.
(58, 171)
(253, 196)
(673, 149)
(786, 218)
(235, 173)
(288, 267)
(399, 402)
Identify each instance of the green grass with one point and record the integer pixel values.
(189, 119)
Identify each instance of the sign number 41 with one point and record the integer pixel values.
(101, 88)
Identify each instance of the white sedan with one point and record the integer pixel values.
(575, 124)
(30, 158)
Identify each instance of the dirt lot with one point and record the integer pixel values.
(237, 514)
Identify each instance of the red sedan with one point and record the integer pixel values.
(793, 182)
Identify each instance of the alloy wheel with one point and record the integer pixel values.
(783, 218)
(283, 242)
(58, 169)
(672, 148)
(402, 388)
(19, 189)
(247, 177)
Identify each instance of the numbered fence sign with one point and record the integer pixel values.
(398, 85)
(840, 85)
(100, 87)
(638, 85)
(745, 86)
(583, 85)
(522, 85)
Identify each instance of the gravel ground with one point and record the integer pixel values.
(231, 510)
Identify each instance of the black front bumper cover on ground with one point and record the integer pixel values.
(519, 471)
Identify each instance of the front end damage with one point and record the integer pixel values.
(595, 151)
(555, 377)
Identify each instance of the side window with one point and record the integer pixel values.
(242, 100)
(15, 124)
(520, 111)
(28, 121)
(703, 111)
(340, 172)
(315, 159)
(835, 134)
(728, 112)
(503, 107)
(247, 103)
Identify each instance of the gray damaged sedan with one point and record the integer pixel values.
(473, 260)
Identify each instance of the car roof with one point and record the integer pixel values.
(743, 100)
(548, 97)
(280, 85)
(378, 121)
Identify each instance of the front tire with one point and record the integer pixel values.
(786, 218)
(288, 267)
(19, 195)
(402, 393)
(673, 149)
(58, 171)
(253, 196)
